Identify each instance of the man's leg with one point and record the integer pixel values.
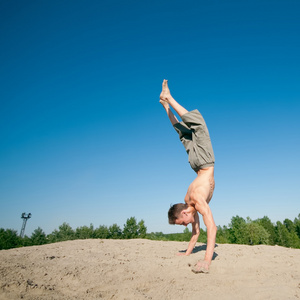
(170, 114)
(166, 98)
(192, 131)
(185, 133)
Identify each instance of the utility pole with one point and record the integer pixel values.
(25, 218)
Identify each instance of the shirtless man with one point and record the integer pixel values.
(194, 135)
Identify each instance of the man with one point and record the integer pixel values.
(194, 135)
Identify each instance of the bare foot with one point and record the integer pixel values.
(164, 103)
(165, 93)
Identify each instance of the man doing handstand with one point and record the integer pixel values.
(194, 135)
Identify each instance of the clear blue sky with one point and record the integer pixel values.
(85, 140)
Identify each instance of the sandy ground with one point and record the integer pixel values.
(144, 269)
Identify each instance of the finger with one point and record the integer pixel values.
(198, 270)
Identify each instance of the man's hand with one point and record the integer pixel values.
(181, 254)
(202, 266)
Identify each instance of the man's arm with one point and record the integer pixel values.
(195, 235)
(203, 208)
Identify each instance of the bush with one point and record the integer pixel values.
(64, 233)
(85, 232)
(102, 232)
(38, 237)
(115, 232)
(9, 239)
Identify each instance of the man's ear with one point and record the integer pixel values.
(184, 212)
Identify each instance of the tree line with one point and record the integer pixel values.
(239, 231)
(132, 229)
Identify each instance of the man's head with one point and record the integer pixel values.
(180, 214)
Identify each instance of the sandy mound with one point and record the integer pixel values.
(143, 269)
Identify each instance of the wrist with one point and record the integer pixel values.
(208, 261)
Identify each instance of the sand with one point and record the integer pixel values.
(144, 269)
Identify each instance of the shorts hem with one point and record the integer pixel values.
(204, 166)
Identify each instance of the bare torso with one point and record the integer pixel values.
(202, 188)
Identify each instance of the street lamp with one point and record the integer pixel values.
(25, 218)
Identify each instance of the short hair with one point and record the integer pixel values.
(175, 211)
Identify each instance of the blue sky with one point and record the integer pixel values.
(85, 140)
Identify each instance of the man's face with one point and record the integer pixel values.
(185, 218)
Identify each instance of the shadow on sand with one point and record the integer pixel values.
(202, 248)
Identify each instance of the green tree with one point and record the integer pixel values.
(222, 235)
(26, 241)
(9, 239)
(269, 227)
(297, 225)
(38, 237)
(142, 230)
(85, 232)
(290, 226)
(237, 230)
(64, 233)
(186, 235)
(294, 240)
(102, 232)
(248, 233)
(53, 237)
(131, 229)
(255, 234)
(282, 235)
(203, 236)
(115, 232)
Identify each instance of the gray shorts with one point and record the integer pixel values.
(194, 135)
